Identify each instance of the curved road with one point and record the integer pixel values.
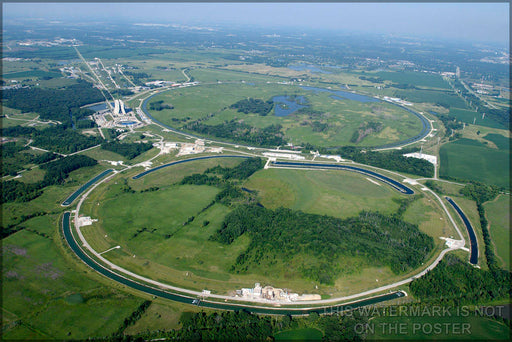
(189, 294)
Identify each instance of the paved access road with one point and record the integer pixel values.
(66, 227)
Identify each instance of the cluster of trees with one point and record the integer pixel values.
(138, 77)
(365, 129)
(371, 79)
(256, 106)
(159, 105)
(242, 325)
(56, 172)
(451, 123)
(63, 140)
(223, 177)
(454, 282)
(284, 233)
(241, 132)
(134, 317)
(14, 159)
(481, 193)
(393, 160)
(242, 171)
(54, 104)
(318, 126)
(128, 150)
(55, 138)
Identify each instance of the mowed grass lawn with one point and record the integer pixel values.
(498, 215)
(472, 160)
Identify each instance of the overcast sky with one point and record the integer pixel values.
(468, 21)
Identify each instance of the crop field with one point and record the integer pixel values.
(472, 160)
(469, 116)
(446, 98)
(498, 215)
(340, 118)
(418, 79)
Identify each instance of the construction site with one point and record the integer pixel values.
(269, 293)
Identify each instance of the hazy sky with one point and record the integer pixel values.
(468, 21)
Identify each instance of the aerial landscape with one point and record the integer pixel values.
(255, 171)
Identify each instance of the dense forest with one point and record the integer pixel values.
(282, 234)
(128, 150)
(56, 172)
(54, 104)
(55, 138)
(454, 282)
(242, 325)
(241, 132)
(256, 106)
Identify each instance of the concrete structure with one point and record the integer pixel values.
(290, 156)
(432, 159)
(272, 294)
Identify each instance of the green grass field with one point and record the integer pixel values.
(418, 79)
(469, 116)
(472, 160)
(174, 252)
(454, 326)
(498, 215)
(342, 117)
(44, 294)
(334, 193)
(304, 334)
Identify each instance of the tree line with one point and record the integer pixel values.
(54, 138)
(283, 233)
(241, 132)
(54, 104)
(56, 172)
(128, 150)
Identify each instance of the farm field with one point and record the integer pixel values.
(472, 160)
(498, 215)
(418, 79)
